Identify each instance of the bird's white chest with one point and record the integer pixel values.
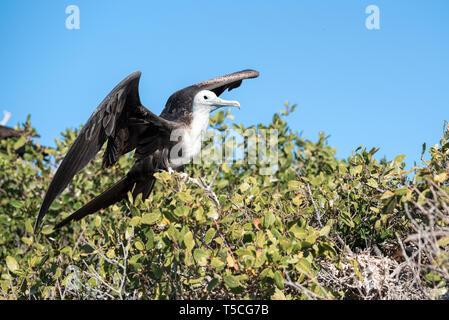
(190, 144)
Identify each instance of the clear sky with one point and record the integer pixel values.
(387, 88)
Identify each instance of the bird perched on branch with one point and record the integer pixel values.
(161, 142)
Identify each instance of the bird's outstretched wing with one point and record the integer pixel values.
(120, 119)
(179, 105)
(230, 81)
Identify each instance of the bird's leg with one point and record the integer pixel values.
(185, 178)
(182, 176)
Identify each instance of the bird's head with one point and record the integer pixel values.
(206, 100)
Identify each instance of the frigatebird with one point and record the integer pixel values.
(7, 133)
(127, 125)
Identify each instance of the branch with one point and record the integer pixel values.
(207, 188)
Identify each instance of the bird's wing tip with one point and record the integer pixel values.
(250, 73)
(255, 73)
(135, 75)
(132, 76)
(36, 227)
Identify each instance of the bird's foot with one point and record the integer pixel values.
(184, 176)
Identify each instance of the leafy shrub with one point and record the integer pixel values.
(232, 234)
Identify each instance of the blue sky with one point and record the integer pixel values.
(387, 88)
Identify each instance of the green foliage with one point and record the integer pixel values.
(265, 239)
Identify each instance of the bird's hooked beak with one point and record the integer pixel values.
(219, 103)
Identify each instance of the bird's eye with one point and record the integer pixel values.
(205, 97)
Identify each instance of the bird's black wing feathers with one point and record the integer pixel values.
(108, 122)
(230, 81)
(7, 132)
(179, 105)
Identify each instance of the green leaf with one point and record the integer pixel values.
(20, 142)
(372, 183)
(87, 249)
(217, 264)
(305, 266)
(279, 279)
(212, 284)
(294, 185)
(267, 273)
(27, 240)
(139, 245)
(188, 241)
(209, 235)
(92, 282)
(399, 158)
(278, 295)
(244, 187)
(135, 221)
(151, 218)
(28, 226)
(325, 230)
(298, 232)
(387, 194)
(97, 221)
(401, 191)
(12, 264)
(231, 281)
(269, 219)
(47, 229)
(181, 211)
(443, 242)
(200, 256)
(16, 203)
(111, 253)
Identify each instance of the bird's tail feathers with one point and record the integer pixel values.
(114, 194)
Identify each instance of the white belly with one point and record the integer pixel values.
(190, 144)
